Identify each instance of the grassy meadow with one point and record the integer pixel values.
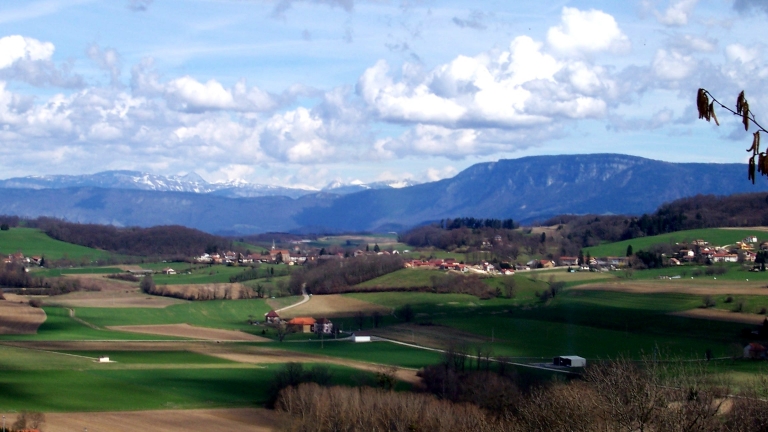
(149, 380)
(33, 242)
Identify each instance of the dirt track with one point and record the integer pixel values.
(188, 331)
(238, 419)
(695, 287)
(19, 318)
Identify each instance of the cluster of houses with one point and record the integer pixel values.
(452, 264)
(301, 324)
(19, 258)
(701, 250)
(295, 256)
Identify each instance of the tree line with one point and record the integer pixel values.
(616, 395)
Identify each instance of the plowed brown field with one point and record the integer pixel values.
(19, 318)
(239, 419)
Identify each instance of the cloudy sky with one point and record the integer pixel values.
(305, 92)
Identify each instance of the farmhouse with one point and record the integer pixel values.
(323, 325)
(303, 324)
(754, 351)
(272, 317)
(169, 271)
(569, 261)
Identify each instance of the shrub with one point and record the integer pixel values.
(36, 303)
(708, 301)
(728, 299)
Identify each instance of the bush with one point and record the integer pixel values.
(36, 303)
(709, 301)
(739, 306)
(728, 299)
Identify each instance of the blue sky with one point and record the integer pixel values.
(305, 92)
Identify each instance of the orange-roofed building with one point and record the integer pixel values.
(305, 324)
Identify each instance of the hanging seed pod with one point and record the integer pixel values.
(745, 115)
(702, 103)
(765, 164)
(760, 162)
(751, 172)
(740, 102)
(753, 149)
(712, 113)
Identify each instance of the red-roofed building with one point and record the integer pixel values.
(272, 317)
(303, 324)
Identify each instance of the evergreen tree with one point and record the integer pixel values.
(376, 248)
(629, 250)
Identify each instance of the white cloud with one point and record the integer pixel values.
(523, 87)
(296, 136)
(107, 59)
(435, 174)
(678, 13)
(740, 53)
(672, 65)
(587, 32)
(188, 94)
(13, 48)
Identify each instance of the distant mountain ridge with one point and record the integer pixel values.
(192, 183)
(525, 189)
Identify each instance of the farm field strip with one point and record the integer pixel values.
(33, 242)
(195, 420)
(191, 332)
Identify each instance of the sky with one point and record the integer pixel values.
(306, 92)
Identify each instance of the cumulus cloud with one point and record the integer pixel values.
(29, 60)
(13, 48)
(190, 95)
(672, 65)
(587, 32)
(677, 13)
(107, 59)
(519, 88)
(296, 136)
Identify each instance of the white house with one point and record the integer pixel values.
(570, 361)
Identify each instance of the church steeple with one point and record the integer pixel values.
(273, 244)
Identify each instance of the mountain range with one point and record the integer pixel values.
(525, 189)
(192, 182)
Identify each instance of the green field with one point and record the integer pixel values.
(167, 381)
(33, 242)
(715, 237)
(78, 271)
(60, 326)
(373, 352)
(223, 314)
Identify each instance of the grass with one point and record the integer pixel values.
(222, 314)
(209, 274)
(33, 242)
(373, 352)
(403, 278)
(78, 271)
(60, 326)
(154, 357)
(715, 237)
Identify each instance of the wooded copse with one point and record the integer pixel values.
(333, 276)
